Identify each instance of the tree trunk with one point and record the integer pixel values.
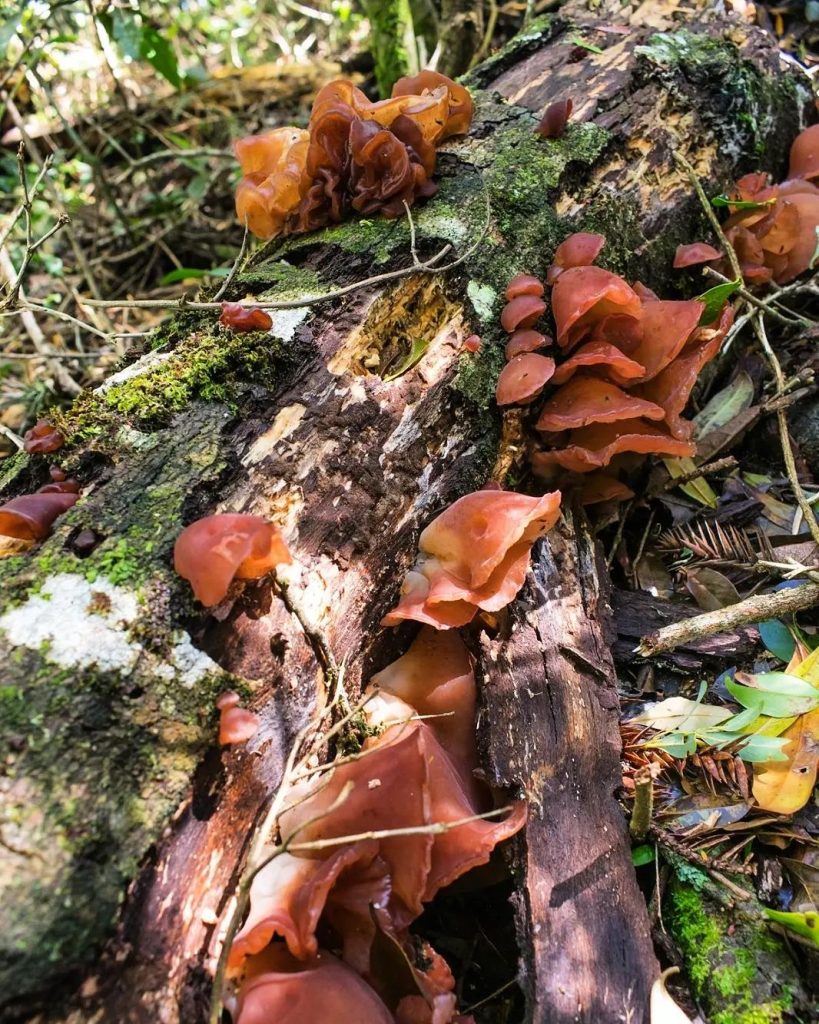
(123, 822)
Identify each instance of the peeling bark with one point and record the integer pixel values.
(115, 791)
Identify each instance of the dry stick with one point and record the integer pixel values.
(784, 436)
(228, 281)
(763, 304)
(14, 438)
(643, 808)
(26, 304)
(754, 609)
(430, 266)
(709, 213)
(729, 462)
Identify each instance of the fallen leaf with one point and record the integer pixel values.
(778, 639)
(773, 693)
(724, 406)
(710, 589)
(698, 489)
(804, 924)
(663, 1008)
(679, 714)
(785, 786)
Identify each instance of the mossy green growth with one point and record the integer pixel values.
(746, 108)
(279, 279)
(723, 974)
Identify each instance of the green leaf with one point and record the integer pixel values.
(804, 924)
(776, 694)
(160, 55)
(715, 298)
(641, 855)
(419, 347)
(586, 46)
(676, 744)
(679, 714)
(183, 274)
(778, 639)
(754, 748)
(741, 204)
(732, 400)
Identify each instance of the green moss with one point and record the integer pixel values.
(393, 41)
(279, 279)
(745, 108)
(724, 974)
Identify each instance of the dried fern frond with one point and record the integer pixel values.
(718, 543)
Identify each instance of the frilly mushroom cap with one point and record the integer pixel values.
(461, 107)
(696, 252)
(522, 311)
(584, 400)
(555, 118)
(645, 293)
(600, 487)
(672, 387)
(604, 357)
(260, 156)
(239, 318)
(473, 343)
(523, 378)
(595, 446)
(583, 296)
(273, 184)
(237, 725)
(31, 516)
(320, 989)
(666, 325)
(42, 438)
(214, 551)
(805, 154)
(524, 284)
(578, 250)
(526, 340)
(800, 255)
(228, 699)
(474, 555)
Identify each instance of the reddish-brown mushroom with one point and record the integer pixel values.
(238, 318)
(474, 555)
(236, 724)
(461, 107)
(526, 340)
(584, 400)
(600, 487)
(523, 378)
(214, 551)
(42, 438)
(524, 284)
(578, 250)
(805, 154)
(696, 252)
(604, 357)
(555, 117)
(473, 343)
(584, 296)
(666, 325)
(31, 516)
(595, 446)
(522, 311)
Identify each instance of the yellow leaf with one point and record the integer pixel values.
(809, 668)
(785, 786)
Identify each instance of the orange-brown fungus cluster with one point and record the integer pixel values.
(236, 724)
(239, 318)
(631, 363)
(214, 551)
(335, 907)
(355, 155)
(772, 228)
(525, 375)
(31, 516)
(42, 439)
(555, 118)
(473, 556)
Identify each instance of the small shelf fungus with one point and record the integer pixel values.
(239, 318)
(42, 439)
(355, 155)
(335, 901)
(772, 228)
(473, 556)
(214, 551)
(555, 118)
(633, 360)
(31, 516)
(236, 724)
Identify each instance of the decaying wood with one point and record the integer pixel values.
(116, 792)
(551, 719)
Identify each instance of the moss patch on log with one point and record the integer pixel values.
(738, 969)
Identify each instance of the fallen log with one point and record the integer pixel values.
(125, 828)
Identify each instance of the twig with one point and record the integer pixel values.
(784, 436)
(764, 304)
(709, 213)
(729, 462)
(754, 609)
(170, 154)
(643, 807)
(430, 266)
(228, 281)
(14, 438)
(59, 314)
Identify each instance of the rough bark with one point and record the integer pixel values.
(119, 812)
(551, 716)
